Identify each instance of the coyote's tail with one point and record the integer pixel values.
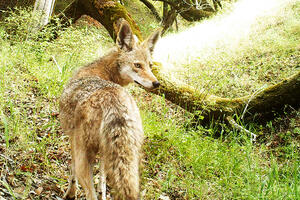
(121, 137)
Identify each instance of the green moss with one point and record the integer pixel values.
(109, 16)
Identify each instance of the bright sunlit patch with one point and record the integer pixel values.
(224, 30)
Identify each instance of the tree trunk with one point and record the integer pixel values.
(165, 11)
(107, 12)
(169, 19)
(209, 106)
(152, 8)
(45, 7)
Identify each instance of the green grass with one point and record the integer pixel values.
(231, 55)
(190, 164)
(32, 143)
(144, 19)
(180, 161)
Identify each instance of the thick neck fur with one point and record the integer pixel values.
(106, 68)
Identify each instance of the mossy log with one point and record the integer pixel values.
(107, 12)
(210, 107)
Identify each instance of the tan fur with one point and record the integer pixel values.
(102, 118)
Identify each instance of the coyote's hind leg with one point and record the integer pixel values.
(83, 171)
(102, 180)
(71, 191)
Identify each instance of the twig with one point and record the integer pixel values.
(9, 189)
(250, 99)
(7, 158)
(235, 125)
(54, 60)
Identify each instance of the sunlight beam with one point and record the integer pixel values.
(224, 30)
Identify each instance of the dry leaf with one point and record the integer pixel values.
(19, 190)
(39, 190)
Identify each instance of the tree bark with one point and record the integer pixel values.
(45, 7)
(107, 12)
(165, 10)
(210, 107)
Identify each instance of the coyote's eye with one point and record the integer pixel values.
(137, 65)
(151, 65)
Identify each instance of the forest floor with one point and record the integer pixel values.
(181, 159)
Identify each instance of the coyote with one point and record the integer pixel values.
(101, 117)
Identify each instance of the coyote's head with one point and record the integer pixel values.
(135, 58)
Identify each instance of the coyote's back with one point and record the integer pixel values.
(101, 117)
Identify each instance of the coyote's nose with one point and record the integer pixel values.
(155, 84)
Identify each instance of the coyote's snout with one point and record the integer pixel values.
(102, 118)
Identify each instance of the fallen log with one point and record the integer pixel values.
(270, 99)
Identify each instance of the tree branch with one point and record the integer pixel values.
(191, 12)
(168, 2)
(152, 8)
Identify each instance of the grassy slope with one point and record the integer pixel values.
(238, 51)
(179, 161)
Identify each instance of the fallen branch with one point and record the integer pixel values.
(235, 125)
(250, 99)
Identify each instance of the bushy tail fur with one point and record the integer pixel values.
(121, 138)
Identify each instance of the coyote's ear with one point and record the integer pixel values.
(151, 41)
(125, 39)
